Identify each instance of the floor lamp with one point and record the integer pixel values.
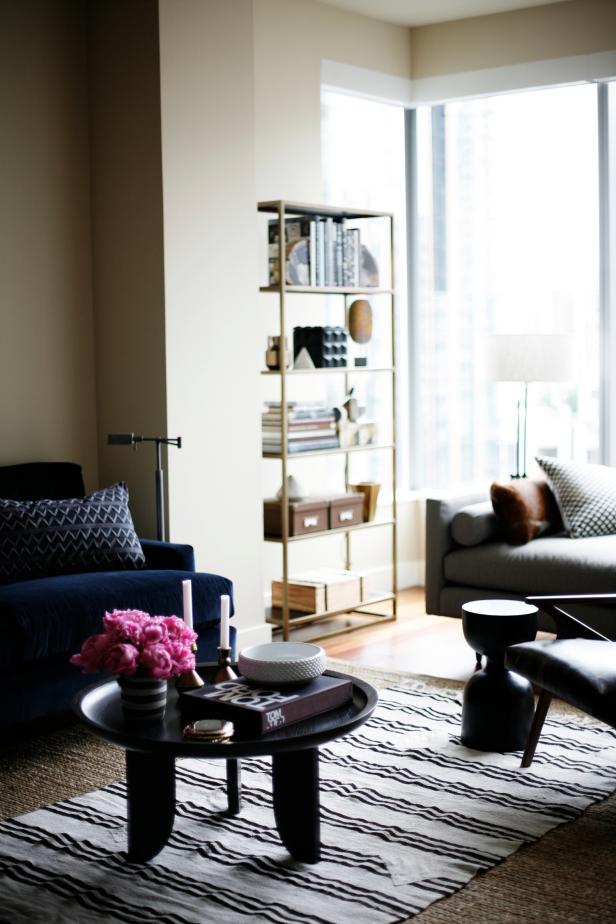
(528, 358)
(131, 439)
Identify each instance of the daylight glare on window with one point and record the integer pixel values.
(505, 232)
(507, 243)
(363, 162)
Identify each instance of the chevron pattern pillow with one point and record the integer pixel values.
(586, 496)
(49, 537)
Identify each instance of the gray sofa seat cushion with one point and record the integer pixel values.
(551, 564)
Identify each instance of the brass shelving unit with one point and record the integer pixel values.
(283, 623)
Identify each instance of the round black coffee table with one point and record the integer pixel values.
(498, 705)
(151, 750)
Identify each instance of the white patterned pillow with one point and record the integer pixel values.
(586, 496)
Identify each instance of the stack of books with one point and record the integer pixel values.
(257, 709)
(320, 252)
(311, 425)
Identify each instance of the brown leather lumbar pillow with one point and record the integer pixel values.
(525, 508)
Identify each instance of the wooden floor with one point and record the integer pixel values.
(415, 642)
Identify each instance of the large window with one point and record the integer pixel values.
(504, 239)
(506, 228)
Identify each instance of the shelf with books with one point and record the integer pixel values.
(327, 290)
(345, 370)
(372, 447)
(321, 250)
(336, 531)
(329, 211)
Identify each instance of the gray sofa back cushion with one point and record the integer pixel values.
(475, 524)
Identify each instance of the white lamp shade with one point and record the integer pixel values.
(530, 358)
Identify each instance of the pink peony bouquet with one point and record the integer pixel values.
(136, 643)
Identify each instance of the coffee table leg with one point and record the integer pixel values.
(234, 787)
(150, 796)
(295, 777)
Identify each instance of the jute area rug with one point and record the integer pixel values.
(567, 875)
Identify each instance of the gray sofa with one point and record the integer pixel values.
(467, 559)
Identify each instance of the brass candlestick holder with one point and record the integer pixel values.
(225, 671)
(189, 680)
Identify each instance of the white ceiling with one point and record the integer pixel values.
(423, 12)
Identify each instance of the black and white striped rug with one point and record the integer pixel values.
(409, 816)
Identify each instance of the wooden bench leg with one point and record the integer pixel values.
(543, 704)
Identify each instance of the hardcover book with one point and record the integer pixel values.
(322, 442)
(259, 710)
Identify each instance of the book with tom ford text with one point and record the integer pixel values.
(257, 710)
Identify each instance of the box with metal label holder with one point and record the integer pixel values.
(346, 510)
(309, 515)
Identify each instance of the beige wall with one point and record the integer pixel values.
(47, 406)
(290, 41)
(577, 27)
(179, 332)
(127, 237)
(213, 331)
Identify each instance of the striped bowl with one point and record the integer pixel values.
(144, 699)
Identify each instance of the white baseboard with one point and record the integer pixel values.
(411, 574)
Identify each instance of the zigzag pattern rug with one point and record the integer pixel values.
(408, 814)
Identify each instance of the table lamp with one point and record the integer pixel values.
(528, 358)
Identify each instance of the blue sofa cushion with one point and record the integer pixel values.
(53, 616)
(49, 685)
(40, 480)
(174, 555)
(68, 536)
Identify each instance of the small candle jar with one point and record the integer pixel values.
(272, 354)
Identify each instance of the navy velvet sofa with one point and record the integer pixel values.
(44, 621)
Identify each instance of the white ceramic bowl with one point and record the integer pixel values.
(282, 663)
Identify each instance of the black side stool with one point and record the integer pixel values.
(497, 707)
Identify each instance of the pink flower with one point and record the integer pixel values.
(182, 657)
(125, 625)
(122, 659)
(156, 661)
(91, 658)
(178, 630)
(154, 632)
(157, 646)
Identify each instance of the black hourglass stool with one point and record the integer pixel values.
(497, 707)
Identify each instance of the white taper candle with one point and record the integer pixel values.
(187, 601)
(225, 604)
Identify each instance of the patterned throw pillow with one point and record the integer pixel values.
(586, 496)
(48, 537)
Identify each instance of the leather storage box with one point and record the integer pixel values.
(346, 510)
(309, 515)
